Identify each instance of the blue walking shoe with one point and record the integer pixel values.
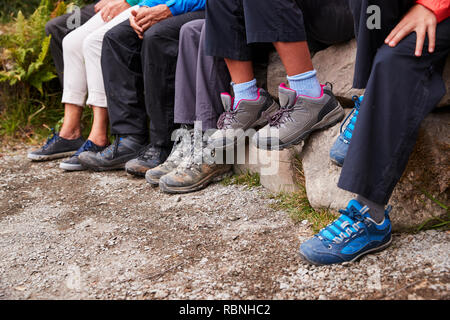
(73, 163)
(351, 236)
(340, 147)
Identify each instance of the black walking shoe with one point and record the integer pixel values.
(115, 156)
(56, 148)
(148, 159)
(73, 163)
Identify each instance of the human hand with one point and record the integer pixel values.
(100, 5)
(147, 17)
(420, 20)
(113, 8)
(135, 26)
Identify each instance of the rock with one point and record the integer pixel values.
(336, 65)
(276, 169)
(428, 172)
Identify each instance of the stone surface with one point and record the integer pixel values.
(335, 65)
(276, 168)
(428, 172)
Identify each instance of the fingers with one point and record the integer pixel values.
(106, 13)
(421, 33)
(431, 38)
(401, 33)
(133, 13)
(135, 26)
(394, 32)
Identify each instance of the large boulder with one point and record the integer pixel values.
(335, 65)
(415, 199)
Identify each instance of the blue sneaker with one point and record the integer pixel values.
(351, 236)
(73, 163)
(56, 147)
(340, 147)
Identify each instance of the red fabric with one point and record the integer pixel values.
(441, 8)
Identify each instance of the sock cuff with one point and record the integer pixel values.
(241, 87)
(303, 76)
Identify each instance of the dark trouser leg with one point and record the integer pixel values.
(199, 79)
(401, 91)
(233, 24)
(339, 22)
(159, 54)
(58, 29)
(124, 82)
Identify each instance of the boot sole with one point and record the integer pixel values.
(374, 250)
(71, 167)
(103, 169)
(211, 178)
(135, 173)
(41, 158)
(330, 120)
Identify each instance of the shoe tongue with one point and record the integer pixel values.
(354, 203)
(287, 96)
(227, 101)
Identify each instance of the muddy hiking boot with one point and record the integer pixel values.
(56, 147)
(149, 158)
(193, 174)
(73, 163)
(248, 114)
(181, 149)
(298, 117)
(114, 157)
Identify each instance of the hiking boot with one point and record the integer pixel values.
(340, 148)
(56, 147)
(149, 158)
(248, 114)
(351, 236)
(115, 156)
(73, 163)
(298, 117)
(181, 149)
(193, 174)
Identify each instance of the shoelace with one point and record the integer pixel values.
(85, 147)
(354, 215)
(51, 139)
(112, 149)
(181, 148)
(280, 116)
(193, 160)
(348, 132)
(149, 153)
(226, 119)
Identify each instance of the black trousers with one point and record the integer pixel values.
(401, 90)
(231, 25)
(58, 29)
(139, 78)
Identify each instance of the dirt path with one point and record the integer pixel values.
(106, 235)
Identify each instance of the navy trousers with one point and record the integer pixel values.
(401, 89)
(231, 25)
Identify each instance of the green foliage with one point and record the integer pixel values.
(248, 179)
(25, 55)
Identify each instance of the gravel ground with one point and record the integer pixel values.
(108, 236)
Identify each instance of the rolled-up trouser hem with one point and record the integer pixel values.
(97, 99)
(76, 98)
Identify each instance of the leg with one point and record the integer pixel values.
(213, 78)
(124, 82)
(58, 29)
(75, 83)
(92, 49)
(159, 58)
(390, 115)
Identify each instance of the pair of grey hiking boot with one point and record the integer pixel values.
(187, 169)
(285, 125)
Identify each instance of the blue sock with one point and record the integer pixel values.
(306, 84)
(247, 91)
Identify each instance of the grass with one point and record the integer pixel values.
(251, 180)
(297, 204)
(439, 222)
